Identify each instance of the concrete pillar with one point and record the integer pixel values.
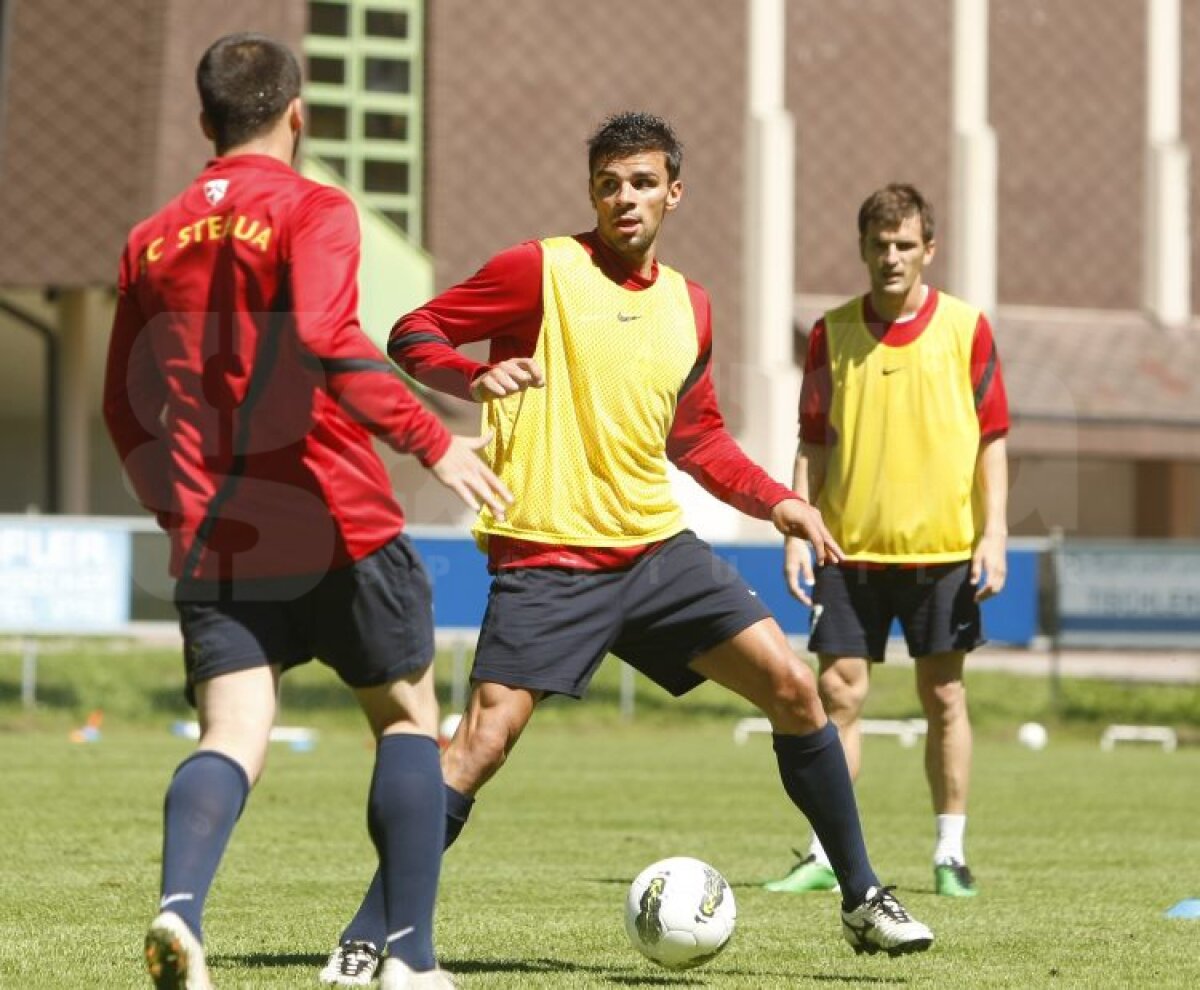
(973, 172)
(1166, 249)
(768, 380)
(76, 316)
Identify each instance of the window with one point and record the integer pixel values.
(387, 75)
(386, 126)
(387, 24)
(334, 162)
(385, 177)
(399, 218)
(329, 19)
(363, 88)
(327, 122)
(327, 69)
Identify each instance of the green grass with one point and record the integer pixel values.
(1078, 852)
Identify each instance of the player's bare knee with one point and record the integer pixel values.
(794, 705)
(944, 701)
(843, 699)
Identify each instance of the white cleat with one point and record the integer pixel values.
(351, 964)
(880, 924)
(174, 956)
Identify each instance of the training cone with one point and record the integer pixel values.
(1188, 908)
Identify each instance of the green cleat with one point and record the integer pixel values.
(806, 875)
(954, 880)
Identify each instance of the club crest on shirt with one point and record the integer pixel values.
(215, 189)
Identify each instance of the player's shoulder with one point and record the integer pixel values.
(951, 311)
(846, 313)
(949, 303)
(311, 189)
(524, 258)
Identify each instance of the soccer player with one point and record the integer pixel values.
(599, 372)
(903, 419)
(242, 396)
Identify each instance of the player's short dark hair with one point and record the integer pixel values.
(892, 205)
(246, 82)
(629, 133)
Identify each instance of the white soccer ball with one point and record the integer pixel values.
(447, 728)
(679, 912)
(1033, 735)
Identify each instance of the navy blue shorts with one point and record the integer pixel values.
(548, 628)
(371, 622)
(853, 610)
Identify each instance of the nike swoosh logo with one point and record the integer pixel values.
(167, 901)
(962, 627)
(891, 371)
(400, 934)
(626, 317)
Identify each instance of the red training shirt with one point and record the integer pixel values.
(241, 392)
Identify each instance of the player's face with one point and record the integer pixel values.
(631, 196)
(895, 258)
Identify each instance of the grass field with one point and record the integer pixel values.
(1078, 852)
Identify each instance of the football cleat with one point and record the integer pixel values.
(397, 976)
(174, 956)
(806, 875)
(880, 924)
(954, 879)
(351, 964)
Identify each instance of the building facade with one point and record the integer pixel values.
(462, 124)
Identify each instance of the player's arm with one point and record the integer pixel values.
(700, 445)
(808, 472)
(324, 256)
(134, 397)
(808, 477)
(989, 566)
(502, 303)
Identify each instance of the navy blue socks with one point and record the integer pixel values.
(815, 776)
(368, 924)
(406, 819)
(202, 805)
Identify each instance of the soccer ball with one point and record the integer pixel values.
(446, 729)
(679, 912)
(1033, 735)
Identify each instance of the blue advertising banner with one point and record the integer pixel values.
(1140, 594)
(460, 583)
(61, 576)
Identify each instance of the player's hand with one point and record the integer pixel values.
(989, 566)
(510, 376)
(795, 517)
(797, 568)
(461, 470)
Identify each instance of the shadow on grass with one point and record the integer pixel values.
(533, 967)
(267, 960)
(464, 967)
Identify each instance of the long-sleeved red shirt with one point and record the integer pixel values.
(241, 393)
(502, 303)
